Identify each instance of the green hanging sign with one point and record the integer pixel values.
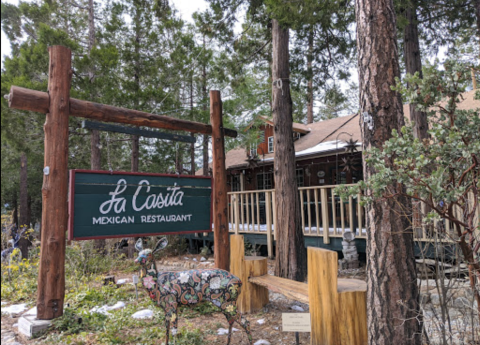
(105, 204)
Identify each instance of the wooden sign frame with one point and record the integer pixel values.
(71, 205)
(58, 107)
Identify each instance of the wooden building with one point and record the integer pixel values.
(326, 152)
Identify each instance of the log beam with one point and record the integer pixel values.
(51, 275)
(37, 101)
(220, 198)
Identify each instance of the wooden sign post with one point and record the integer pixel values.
(51, 273)
(221, 240)
(58, 106)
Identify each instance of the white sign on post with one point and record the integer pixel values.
(296, 322)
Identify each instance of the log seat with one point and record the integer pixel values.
(298, 291)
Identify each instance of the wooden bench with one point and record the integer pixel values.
(338, 307)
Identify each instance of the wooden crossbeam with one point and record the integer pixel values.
(137, 131)
(31, 100)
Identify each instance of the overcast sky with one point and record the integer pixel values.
(185, 7)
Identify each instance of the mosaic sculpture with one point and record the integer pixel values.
(169, 290)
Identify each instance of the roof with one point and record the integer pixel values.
(297, 127)
(326, 137)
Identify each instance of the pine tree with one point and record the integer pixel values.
(391, 275)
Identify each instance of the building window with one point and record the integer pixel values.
(357, 175)
(236, 186)
(264, 181)
(262, 137)
(270, 144)
(253, 151)
(300, 178)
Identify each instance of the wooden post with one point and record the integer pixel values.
(51, 276)
(325, 221)
(220, 217)
(338, 308)
(253, 297)
(268, 211)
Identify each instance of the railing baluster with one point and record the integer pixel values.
(326, 227)
(301, 211)
(242, 211)
(342, 215)
(334, 212)
(359, 215)
(258, 210)
(274, 208)
(237, 215)
(268, 215)
(247, 210)
(317, 213)
(231, 222)
(350, 213)
(309, 213)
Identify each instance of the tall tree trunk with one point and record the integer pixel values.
(291, 255)
(23, 221)
(95, 156)
(135, 138)
(15, 212)
(135, 152)
(179, 160)
(192, 145)
(392, 292)
(29, 210)
(192, 155)
(134, 167)
(310, 78)
(477, 13)
(95, 152)
(413, 63)
(205, 97)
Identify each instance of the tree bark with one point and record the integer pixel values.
(291, 255)
(24, 222)
(477, 13)
(179, 159)
(205, 137)
(135, 152)
(192, 145)
(310, 78)
(95, 156)
(392, 292)
(51, 276)
(413, 64)
(15, 212)
(95, 159)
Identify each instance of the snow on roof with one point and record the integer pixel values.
(322, 147)
(329, 146)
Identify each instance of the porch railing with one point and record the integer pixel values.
(323, 215)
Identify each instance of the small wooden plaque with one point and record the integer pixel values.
(296, 322)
